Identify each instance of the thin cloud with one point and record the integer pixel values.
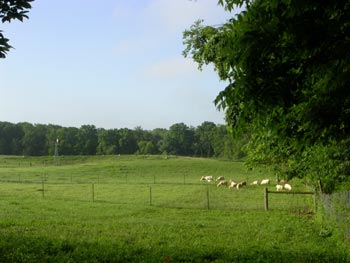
(123, 48)
(122, 11)
(171, 68)
(178, 15)
(158, 21)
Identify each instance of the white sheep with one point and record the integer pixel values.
(265, 181)
(220, 178)
(207, 178)
(287, 187)
(282, 182)
(279, 187)
(222, 183)
(240, 185)
(254, 183)
(232, 184)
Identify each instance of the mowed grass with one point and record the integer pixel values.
(151, 209)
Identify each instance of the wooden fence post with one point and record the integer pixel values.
(315, 202)
(43, 188)
(320, 186)
(266, 195)
(93, 192)
(150, 196)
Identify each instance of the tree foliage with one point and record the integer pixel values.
(206, 140)
(11, 10)
(179, 140)
(287, 63)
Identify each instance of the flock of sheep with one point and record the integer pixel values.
(282, 185)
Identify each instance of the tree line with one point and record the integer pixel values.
(205, 140)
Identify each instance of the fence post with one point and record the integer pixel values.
(266, 195)
(320, 186)
(150, 196)
(315, 201)
(93, 193)
(42, 188)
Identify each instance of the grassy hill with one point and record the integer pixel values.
(152, 209)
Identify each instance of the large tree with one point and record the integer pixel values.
(68, 141)
(87, 140)
(107, 141)
(11, 10)
(204, 136)
(10, 138)
(287, 63)
(34, 140)
(179, 140)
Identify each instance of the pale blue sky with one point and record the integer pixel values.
(112, 64)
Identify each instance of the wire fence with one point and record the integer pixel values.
(192, 196)
(119, 177)
(302, 202)
(335, 209)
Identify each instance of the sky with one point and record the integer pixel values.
(108, 63)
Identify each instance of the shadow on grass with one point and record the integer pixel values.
(34, 249)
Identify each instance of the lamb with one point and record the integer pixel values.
(283, 182)
(220, 178)
(254, 183)
(265, 181)
(232, 184)
(207, 178)
(287, 187)
(279, 187)
(241, 184)
(222, 183)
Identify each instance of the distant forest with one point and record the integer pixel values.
(205, 140)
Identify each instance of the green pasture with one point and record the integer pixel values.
(117, 169)
(153, 209)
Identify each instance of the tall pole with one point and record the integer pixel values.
(266, 197)
(56, 152)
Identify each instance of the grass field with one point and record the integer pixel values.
(152, 209)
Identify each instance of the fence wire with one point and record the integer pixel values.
(192, 196)
(335, 208)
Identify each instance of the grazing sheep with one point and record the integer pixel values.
(279, 187)
(207, 178)
(287, 187)
(265, 181)
(222, 183)
(232, 184)
(254, 183)
(220, 178)
(240, 185)
(283, 182)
